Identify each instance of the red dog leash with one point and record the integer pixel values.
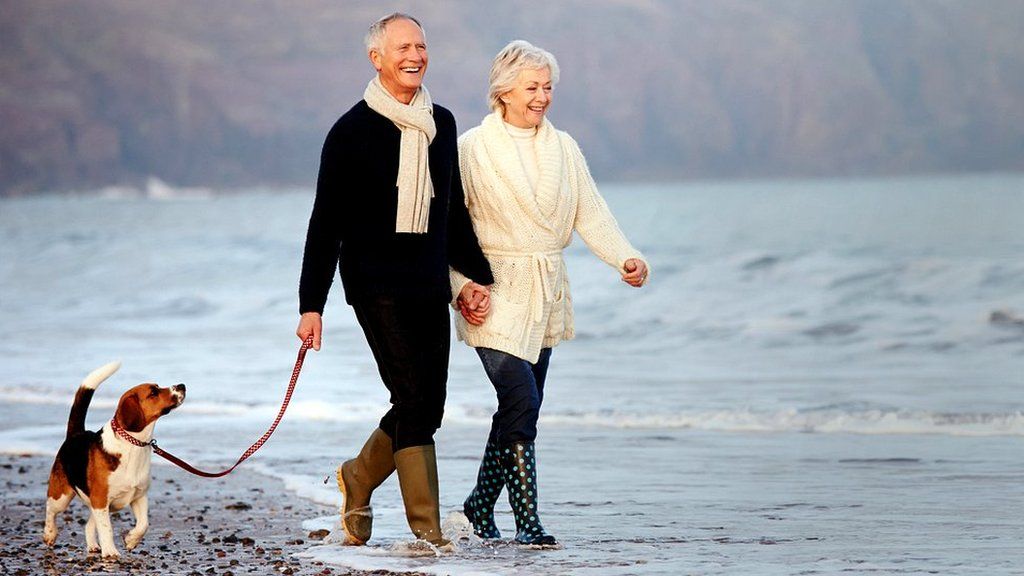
(120, 431)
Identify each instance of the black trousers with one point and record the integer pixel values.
(410, 340)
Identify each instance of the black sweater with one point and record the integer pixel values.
(353, 218)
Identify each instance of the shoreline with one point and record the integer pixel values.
(230, 526)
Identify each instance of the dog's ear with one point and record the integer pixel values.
(130, 415)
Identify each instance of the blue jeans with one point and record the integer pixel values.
(520, 389)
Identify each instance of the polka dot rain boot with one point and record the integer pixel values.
(479, 506)
(520, 467)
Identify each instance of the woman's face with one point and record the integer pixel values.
(527, 102)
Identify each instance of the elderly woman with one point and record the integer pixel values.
(527, 188)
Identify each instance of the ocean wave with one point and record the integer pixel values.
(852, 418)
(47, 396)
(817, 421)
(309, 410)
(1007, 319)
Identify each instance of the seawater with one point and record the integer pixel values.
(821, 377)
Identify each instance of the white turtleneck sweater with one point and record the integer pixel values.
(524, 139)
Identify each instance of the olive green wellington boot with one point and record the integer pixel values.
(357, 479)
(417, 477)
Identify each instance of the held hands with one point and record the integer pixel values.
(310, 324)
(474, 303)
(635, 273)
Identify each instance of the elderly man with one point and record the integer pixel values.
(389, 206)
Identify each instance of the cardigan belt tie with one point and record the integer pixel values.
(543, 265)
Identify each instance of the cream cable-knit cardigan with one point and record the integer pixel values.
(523, 231)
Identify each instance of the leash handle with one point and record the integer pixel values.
(306, 345)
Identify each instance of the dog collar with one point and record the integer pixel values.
(120, 431)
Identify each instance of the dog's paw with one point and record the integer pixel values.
(49, 536)
(93, 550)
(131, 541)
(111, 555)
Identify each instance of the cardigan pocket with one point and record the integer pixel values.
(509, 320)
(556, 321)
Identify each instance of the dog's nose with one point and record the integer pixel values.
(179, 387)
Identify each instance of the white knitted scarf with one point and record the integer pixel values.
(416, 121)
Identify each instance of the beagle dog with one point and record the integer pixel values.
(108, 469)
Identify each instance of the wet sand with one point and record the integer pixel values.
(242, 524)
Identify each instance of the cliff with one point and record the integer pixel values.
(234, 93)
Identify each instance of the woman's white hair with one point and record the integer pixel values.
(375, 34)
(517, 56)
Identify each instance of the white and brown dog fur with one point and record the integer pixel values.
(106, 471)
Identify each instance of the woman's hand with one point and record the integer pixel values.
(635, 272)
(474, 303)
(310, 324)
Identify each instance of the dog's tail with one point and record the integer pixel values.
(76, 421)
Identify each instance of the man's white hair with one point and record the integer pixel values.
(375, 35)
(517, 56)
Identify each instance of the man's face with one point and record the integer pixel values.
(402, 59)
